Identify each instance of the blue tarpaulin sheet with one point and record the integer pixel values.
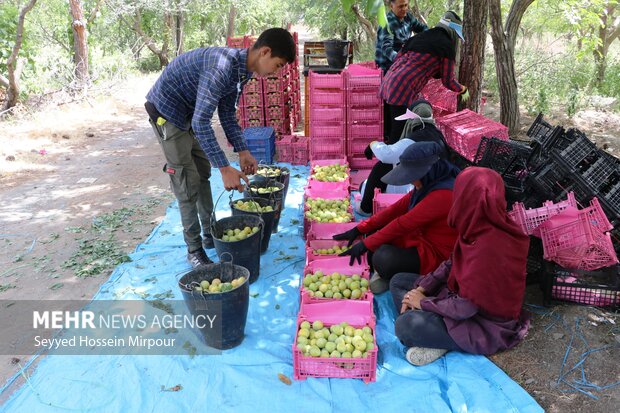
(245, 379)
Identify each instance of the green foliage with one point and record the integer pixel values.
(8, 27)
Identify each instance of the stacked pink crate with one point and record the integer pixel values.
(327, 116)
(442, 99)
(252, 103)
(463, 131)
(277, 94)
(286, 152)
(383, 201)
(364, 113)
(301, 150)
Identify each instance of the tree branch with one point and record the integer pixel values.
(513, 21)
(366, 24)
(93, 14)
(19, 38)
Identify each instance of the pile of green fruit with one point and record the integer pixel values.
(328, 210)
(334, 250)
(237, 234)
(217, 286)
(330, 173)
(338, 341)
(336, 286)
(268, 172)
(252, 206)
(265, 190)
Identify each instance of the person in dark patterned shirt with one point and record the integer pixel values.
(181, 105)
(430, 54)
(401, 25)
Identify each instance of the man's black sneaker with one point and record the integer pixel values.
(198, 258)
(207, 242)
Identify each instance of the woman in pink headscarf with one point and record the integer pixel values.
(473, 301)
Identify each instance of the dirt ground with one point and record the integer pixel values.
(81, 185)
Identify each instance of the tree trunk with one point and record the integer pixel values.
(418, 13)
(608, 31)
(180, 35)
(80, 45)
(472, 55)
(14, 65)
(231, 22)
(504, 39)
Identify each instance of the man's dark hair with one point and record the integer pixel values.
(279, 41)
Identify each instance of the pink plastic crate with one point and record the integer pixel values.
(327, 162)
(357, 314)
(530, 219)
(366, 130)
(276, 99)
(302, 151)
(439, 96)
(357, 177)
(320, 244)
(326, 148)
(340, 265)
(235, 42)
(329, 186)
(360, 162)
(276, 84)
(254, 112)
(364, 98)
(327, 114)
(328, 98)
(365, 115)
(325, 81)
(357, 146)
(277, 112)
(341, 193)
(580, 243)
(335, 130)
(326, 230)
(253, 99)
(251, 123)
(383, 201)
(286, 149)
(369, 80)
(254, 85)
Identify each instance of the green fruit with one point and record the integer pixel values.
(317, 325)
(368, 337)
(346, 355)
(315, 351)
(358, 332)
(302, 340)
(321, 342)
(346, 293)
(356, 354)
(198, 288)
(332, 337)
(356, 294)
(367, 329)
(336, 329)
(349, 331)
(360, 345)
(369, 346)
(328, 294)
(204, 284)
(337, 295)
(329, 346)
(335, 354)
(318, 294)
(341, 347)
(304, 333)
(324, 354)
(318, 334)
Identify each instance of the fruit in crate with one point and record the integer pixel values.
(233, 235)
(265, 190)
(268, 172)
(335, 286)
(328, 210)
(252, 206)
(330, 173)
(217, 286)
(337, 341)
(333, 250)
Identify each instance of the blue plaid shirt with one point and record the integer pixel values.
(196, 83)
(388, 45)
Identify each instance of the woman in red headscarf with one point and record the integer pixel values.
(473, 301)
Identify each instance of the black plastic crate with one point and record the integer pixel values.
(540, 129)
(600, 288)
(541, 149)
(535, 261)
(508, 158)
(550, 181)
(611, 203)
(603, 175)
(579, 155)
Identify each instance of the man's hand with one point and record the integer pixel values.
(412, 300)
(232, 178)
(247, 162)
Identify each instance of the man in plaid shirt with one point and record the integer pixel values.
(401, 23)
(181, 105)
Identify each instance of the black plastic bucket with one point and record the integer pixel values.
(284, 178)
(228, 310)
(337, 52)
(268, 217)
(276, 196)
(245, 253)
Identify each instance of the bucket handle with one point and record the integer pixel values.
(226, 266)
(213, 217)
